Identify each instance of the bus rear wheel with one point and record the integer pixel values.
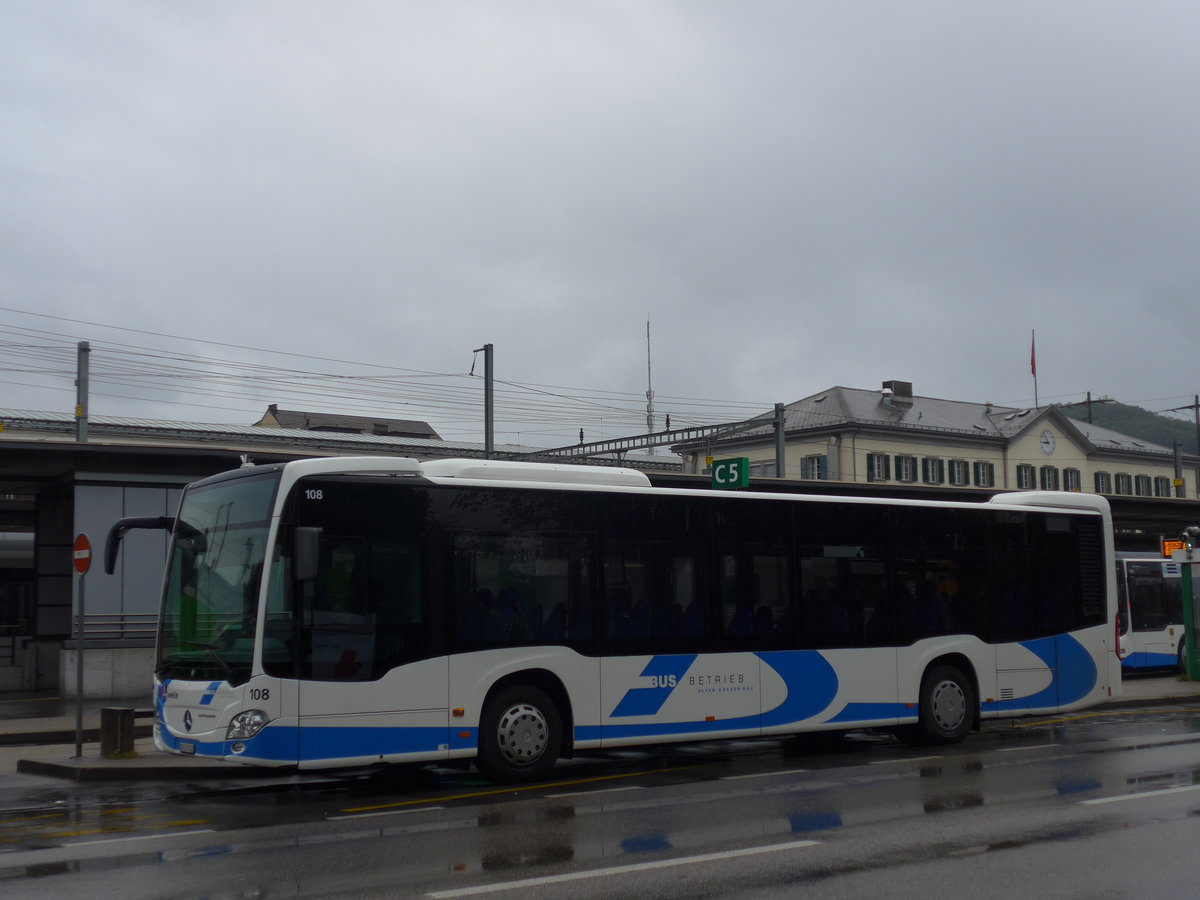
(947, 706)
(519, 735)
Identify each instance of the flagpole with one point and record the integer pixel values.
(1033, 365)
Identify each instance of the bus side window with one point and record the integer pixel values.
(512, 590)
(756, 597)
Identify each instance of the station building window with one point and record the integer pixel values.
(879, 467)
(1049, 478)
(1141, 485)
(1103, 483)
(1162, 486)
(1072, 480)
(906, 468)
(1123, 484)
(1026, 477)
(814, 467)
(958, 472)
(984, 474)
(933, 470)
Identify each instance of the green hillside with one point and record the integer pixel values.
(1137, 422)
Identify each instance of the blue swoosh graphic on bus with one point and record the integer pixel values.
(667, 671)
(811, 685)
(210, 692)
(1072, 674)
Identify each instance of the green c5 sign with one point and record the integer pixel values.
(731, 473)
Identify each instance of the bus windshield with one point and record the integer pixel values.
(1155, 602)
(209, 608)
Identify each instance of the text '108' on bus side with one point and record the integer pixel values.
(347, 612)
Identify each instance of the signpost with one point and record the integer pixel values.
(731, 473)
(81, 559)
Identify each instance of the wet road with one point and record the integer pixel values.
(1038, 810)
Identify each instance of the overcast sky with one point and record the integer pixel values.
(794, 194)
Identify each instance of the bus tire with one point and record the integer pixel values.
(947, 706)
(520, 735)
(1181, 653)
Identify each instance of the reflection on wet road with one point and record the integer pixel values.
(615, 814)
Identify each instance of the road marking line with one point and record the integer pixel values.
(390, 812)
(513, 789)
(1158, 793)
(630, 787)
(618, 870)
(893, 762)
(761, 775)
(143, 837)
(1030, 747)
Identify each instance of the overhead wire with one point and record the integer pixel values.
(193, 380)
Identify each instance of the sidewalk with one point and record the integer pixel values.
(38, 734)
(37, 737)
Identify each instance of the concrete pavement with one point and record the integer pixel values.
(37, 736)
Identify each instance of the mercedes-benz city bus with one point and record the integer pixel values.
(1150, 609)
(345, 612)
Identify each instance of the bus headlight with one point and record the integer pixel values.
(246, 725)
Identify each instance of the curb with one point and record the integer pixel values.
(65, 736)
(137, 769)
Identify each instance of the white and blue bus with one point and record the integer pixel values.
(355, 611)
(1150, 604)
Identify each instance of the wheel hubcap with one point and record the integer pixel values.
(523, 734)
(948, 706)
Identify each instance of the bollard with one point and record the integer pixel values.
(116, 731)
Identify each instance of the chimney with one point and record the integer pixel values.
(898, 393)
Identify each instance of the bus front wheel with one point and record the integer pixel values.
(947, 706)
(519, 735)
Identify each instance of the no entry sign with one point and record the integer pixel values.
(82, 555)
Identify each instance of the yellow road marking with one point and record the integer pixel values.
(82, 832)
(31, 700)
(52, 815)
(1094, 715)
(512, 789)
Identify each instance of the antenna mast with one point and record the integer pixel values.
(649, 387)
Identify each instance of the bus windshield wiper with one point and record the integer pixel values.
(212, 651)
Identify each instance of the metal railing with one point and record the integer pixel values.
(120, 626)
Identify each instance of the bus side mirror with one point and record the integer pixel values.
(122, 527)
(306, 553)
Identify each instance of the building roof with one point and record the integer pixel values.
(839, 406)
(895, 408)
(26, 425)
(336, 422)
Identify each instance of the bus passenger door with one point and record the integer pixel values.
(370, 688)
